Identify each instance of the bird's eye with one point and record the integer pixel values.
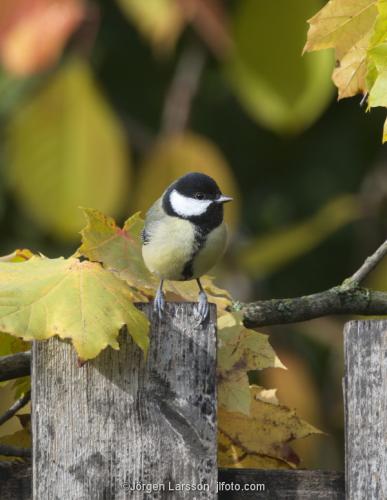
(199, 196)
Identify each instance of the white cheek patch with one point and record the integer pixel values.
(188, 207)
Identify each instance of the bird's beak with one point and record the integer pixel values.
(223, 199)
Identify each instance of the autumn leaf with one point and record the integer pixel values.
(65, 148)
(340, 24)
(234, 391)
(357, 31)
(347, 27)
(33, 34)
(75, 300)
(18, 255)
(10, 344)
(239, 351)
(263, 437)
(119, 249)
(240, 345)
(232, 455)
(351, 73)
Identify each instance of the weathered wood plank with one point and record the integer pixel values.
(15, 481)
(281, 484)
(278, 484)
(120, 421)
(365, 401)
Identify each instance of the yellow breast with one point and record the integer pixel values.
(169, 248)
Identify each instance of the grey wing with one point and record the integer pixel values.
(153, 216)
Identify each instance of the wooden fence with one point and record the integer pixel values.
(121, 422)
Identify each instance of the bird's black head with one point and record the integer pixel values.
(197, 198)
(198, 186)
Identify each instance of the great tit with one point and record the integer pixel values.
(184, 235)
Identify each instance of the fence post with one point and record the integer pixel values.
(121, 422)
(365, 404)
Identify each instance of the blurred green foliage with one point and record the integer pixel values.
(88, 128)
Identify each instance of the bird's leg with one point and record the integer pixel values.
(203, 308)
(159, 301)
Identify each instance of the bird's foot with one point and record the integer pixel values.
(202, 310)
(159, 303)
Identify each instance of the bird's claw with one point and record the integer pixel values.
(202, 309)
(159, 303)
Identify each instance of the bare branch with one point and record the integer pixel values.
(369, 264)
(183, 89)
(12, 451)
(15, 407)
(15, 365)
(336, 300)
(347, 298)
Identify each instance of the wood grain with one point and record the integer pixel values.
(120, 421)
(15, 481)
(365, 401)
(281, 484)
(278, 484)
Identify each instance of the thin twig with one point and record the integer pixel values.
(369, 264)
(183, 89)
(15, 407)
(15, 365)
(347, 298)
(12, 451)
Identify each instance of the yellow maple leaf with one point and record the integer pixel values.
(77, 300)
(263, 437)
(345, 26)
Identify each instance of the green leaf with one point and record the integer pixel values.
(75, 300)
(277, 86)
(66, 148)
